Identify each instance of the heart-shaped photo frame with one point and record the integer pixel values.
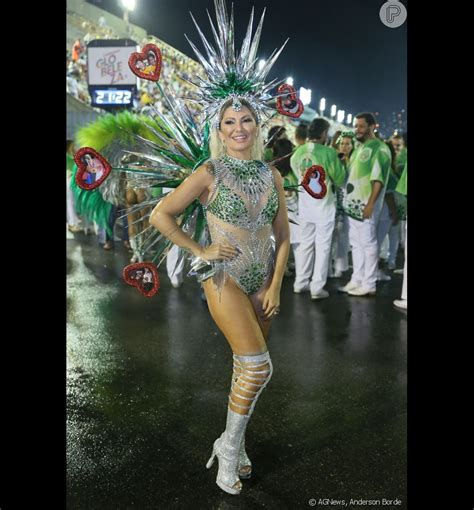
(143, 276)
(147, 63)
(289, 104)
(314, 181)
(92, 168)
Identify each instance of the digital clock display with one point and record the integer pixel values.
(112, 97)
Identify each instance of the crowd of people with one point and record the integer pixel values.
(176, 66)
(350, 218)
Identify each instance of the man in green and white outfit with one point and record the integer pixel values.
(316, 216)
(402, 189)
(369, 169)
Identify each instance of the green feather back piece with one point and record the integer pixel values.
(108, 131)
(110, 128)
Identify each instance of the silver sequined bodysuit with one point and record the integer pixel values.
(240, 210)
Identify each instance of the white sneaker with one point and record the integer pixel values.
(398, 271)
(400, 303)
(320, 295)
(362, 291)
(348, 286)
(299, 291)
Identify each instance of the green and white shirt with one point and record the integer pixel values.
(400, 160)
(370, 161)
(392, 181)
(402, 183)
(400, 200)
(311, 209)
(401, 195)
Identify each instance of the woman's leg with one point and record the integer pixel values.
(245, 465)
(130, 201)
(235, 315)
(257, 302)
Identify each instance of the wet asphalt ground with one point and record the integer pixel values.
(147, 386)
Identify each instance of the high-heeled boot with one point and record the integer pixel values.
(251, 375)
(245, 464)
(226, 447)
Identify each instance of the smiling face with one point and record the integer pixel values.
(238, 132)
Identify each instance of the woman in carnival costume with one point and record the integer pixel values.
(222, 183)
(244, 203)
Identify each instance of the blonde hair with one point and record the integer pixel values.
(218, 149)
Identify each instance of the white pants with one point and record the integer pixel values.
(312, 255)
(340, 245)
(383, 249)
(294, 229)
(363, 239)
(394, 239)
(387, 247)
(171, 259)
(403, 229)
(383, 225)
(71, 216)
(405, 267)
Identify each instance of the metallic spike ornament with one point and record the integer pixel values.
(230, 76)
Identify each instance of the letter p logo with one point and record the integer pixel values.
(393, 14)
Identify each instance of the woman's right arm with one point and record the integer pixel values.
(164, 214)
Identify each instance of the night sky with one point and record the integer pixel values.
(338, 48)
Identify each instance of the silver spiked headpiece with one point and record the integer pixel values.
(230, 76)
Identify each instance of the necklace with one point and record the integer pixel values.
(250, 176)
